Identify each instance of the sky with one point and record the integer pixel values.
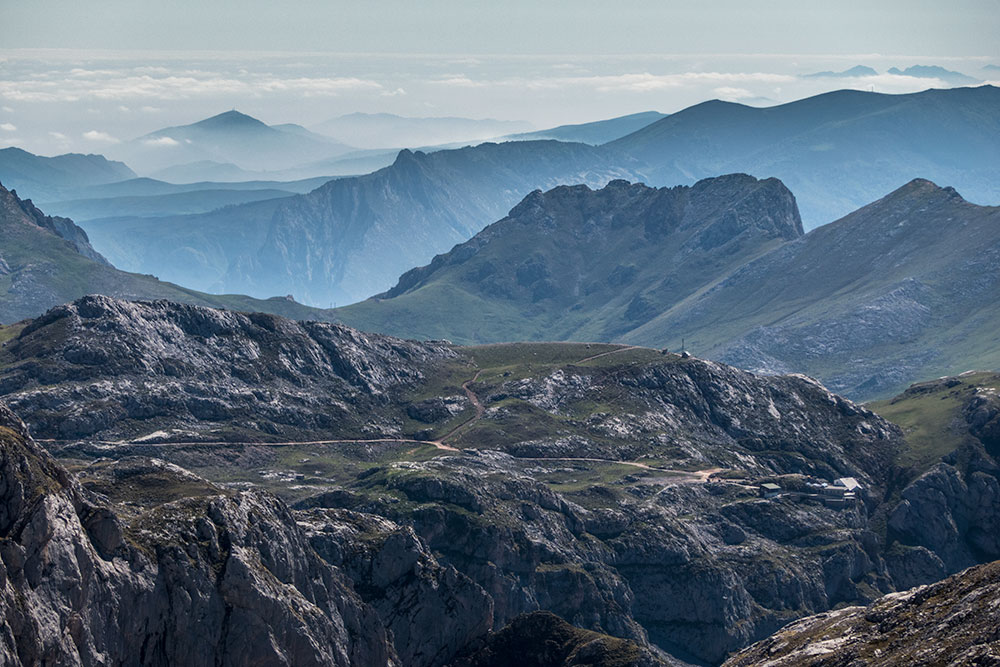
(79, 75)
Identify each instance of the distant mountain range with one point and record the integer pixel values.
(46, 261)
(53, 177)
(353, 237)
(902, 288)
(596, 132)
(950, 77)
(386, 130)
(857, 70)
(147, 197)
(836, 151)
(230, 140)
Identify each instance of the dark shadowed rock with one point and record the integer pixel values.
(954, 622)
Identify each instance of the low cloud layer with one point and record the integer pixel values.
(59, 100)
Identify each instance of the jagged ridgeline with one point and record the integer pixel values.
(617, 487)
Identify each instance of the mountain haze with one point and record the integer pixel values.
(46, 261)
(229, 138)
(386, 130)
(40, 178)
(353, 237)
(836, 151)
(596, 132)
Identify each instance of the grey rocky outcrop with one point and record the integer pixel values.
(221, 580)
(953, 622)
(696, 569)
(128, 368)
(431, 611)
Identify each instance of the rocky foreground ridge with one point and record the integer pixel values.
(618, 488)
(954, 622)
(165, 568)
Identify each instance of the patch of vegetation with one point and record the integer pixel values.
(930, 415)
(10, 332)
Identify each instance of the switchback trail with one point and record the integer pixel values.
(476, 403)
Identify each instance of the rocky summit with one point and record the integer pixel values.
(580, 264)
(162, 365)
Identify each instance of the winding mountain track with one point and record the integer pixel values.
(476, 403)
(235, 443)
(678, 476)
(623, 348)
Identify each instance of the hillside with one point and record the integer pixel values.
(46, 261)
(897, 291)
(596, 132)
(836, 151)
(578, 452)
(953, 622)
(40, 178)
(900, 290)
(616, 487)
(578, 264)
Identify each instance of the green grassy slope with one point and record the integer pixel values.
(930, 414)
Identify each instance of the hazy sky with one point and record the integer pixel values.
(79, 75)
(966, 28)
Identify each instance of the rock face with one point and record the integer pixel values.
(953, 622)
(432, 611)
(186, 367)
(948, 518)
(572, 257)
(138, 561)
(541, 639)
(697, 570)
(221, 580)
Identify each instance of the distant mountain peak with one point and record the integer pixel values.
(229, 119)
(856, 71)
(935, 72)
(923, 187)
